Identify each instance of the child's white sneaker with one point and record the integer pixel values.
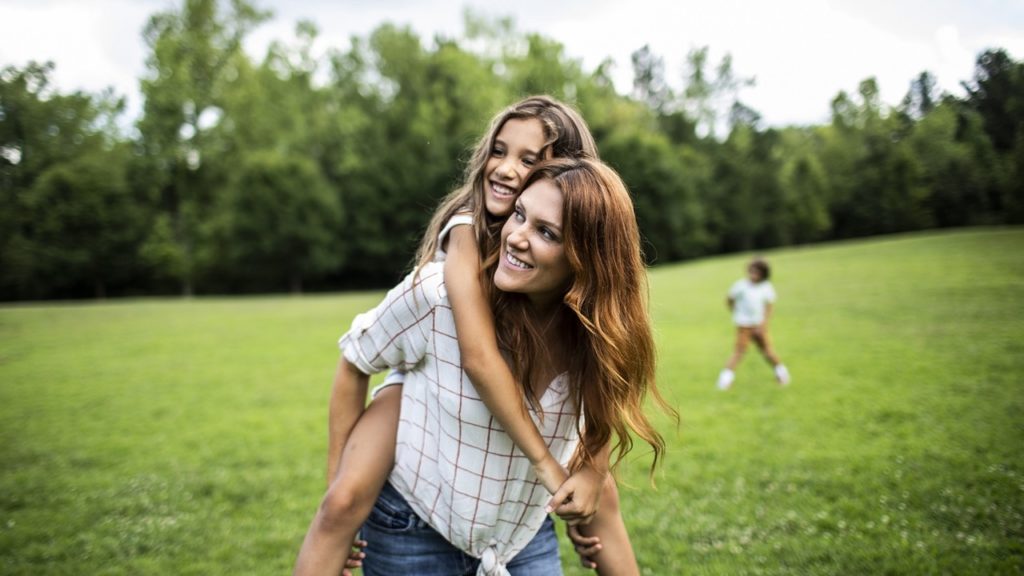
(782, 374)
(725, 379)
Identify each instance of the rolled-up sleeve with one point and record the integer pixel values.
(396, 333)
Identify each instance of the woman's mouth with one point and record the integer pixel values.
(516, 262)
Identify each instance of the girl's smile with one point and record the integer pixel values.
(516, 149)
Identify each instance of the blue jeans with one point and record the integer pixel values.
(399, 542)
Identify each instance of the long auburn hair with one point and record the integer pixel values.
(604, 315)
(566, 136)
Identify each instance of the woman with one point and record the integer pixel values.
(570, 306)
(465, 227)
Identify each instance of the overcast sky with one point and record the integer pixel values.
(800, 52)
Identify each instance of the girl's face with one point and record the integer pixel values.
(516, 149)
(533, 259)
(753, 274)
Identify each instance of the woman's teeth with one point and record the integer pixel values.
(516, 261)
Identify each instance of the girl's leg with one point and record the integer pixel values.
(764, 342)
(616, 556)
(743, 335)
(728, 373)
(365, 464)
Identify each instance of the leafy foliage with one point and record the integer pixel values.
(310, 170)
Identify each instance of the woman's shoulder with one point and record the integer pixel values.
(421, 289)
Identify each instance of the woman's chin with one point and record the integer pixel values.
(502, 283)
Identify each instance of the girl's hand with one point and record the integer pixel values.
(355, 557)
(586, 546)
(578, 499)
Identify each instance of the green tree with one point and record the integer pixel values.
(997, 93)
(921, 98)
(63, 199)
(279, 216)
(649, 85)
(85, 226)
(665, 181)
(804, 187)
(193, 52)
(957, 162)
(876, 179)
(708, 99)
(410, 115)
(746, 200)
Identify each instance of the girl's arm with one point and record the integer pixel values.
(348, 400)
(578, 499)
(486, 368)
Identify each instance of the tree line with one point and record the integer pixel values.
(303, 172)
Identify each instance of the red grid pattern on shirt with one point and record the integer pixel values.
(454, 463)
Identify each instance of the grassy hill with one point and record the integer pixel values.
(187, 437)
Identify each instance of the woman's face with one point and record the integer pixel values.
(516, 149)
(532, 259)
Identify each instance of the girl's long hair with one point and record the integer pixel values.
(604, 314)
(566, 136)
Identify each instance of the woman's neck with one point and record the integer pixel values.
(549, 324)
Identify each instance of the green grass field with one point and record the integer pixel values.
(187, 437)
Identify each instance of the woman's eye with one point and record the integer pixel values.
(518, 214)
(547, 233)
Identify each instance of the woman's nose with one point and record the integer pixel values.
(517, 238)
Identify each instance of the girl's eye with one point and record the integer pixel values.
(529, 161)
(498, 152)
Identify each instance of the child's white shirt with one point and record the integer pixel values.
(749, 301)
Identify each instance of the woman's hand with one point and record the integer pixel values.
(578, 499)
(550, 473)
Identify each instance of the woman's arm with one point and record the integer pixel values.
(394, 334)
(486, 368)
(348, 400)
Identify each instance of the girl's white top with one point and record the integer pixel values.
(749, 300)
(454, 463)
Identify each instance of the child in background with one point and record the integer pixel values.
(750, 300)
(465, 226)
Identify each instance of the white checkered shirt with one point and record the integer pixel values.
(454, 463)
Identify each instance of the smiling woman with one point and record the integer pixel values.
(533, 259)
(580, 212)
(567, 283)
